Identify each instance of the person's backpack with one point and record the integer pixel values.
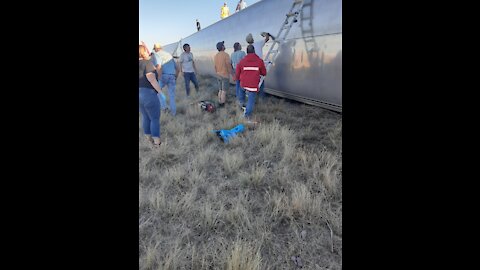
(207, 106)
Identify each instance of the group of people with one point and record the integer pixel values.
(246, 69)
(225, 11)
(157, 70)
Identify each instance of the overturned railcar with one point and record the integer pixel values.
(308, 67)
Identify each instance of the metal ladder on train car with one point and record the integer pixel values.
(307, 27)
(291, 18)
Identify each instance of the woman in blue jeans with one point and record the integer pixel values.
(149, 104)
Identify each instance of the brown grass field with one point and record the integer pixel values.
(271, 198)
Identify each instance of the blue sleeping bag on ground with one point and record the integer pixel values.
(226, 134)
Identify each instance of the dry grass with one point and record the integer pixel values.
(243, 257)
(272, 193)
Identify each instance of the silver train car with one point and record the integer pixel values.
(308, 67)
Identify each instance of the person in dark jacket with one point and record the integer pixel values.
(249, 70)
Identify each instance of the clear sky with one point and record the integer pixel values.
(166, 21)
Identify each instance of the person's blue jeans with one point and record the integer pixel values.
(250, 103)
(261, 93)
(150, 109)
(163, 101)
(190, 76)
(240, 94)
(169, 81)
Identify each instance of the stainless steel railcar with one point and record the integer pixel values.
(309, 64)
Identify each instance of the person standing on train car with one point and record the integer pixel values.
(241, 5)
(224, 11)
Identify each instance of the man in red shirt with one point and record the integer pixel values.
(249, 70)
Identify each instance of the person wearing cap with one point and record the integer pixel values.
(157, 53)
(223, 68)
(149, 104)
(249, 70)
(166, 65)
(188, 68)
(224, 11)
(259, 51)
(236, 56)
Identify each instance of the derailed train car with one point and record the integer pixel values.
(308, 67)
